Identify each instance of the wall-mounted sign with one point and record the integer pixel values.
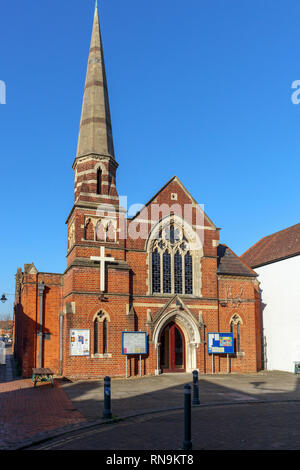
(134, 342)
(80, 342)
(220, 343)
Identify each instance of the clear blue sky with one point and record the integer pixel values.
(198, 88)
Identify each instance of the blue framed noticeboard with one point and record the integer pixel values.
(134, 342)
(220, 343)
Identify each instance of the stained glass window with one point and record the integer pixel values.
(188, 263)
(156, 287)
(172, 262)
(178, 273)
(167, 273)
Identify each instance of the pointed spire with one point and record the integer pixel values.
(95, 134)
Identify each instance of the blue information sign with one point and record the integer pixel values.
(220, 343)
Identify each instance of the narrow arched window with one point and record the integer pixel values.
(178, 273)
(89, 233)
(238, 332)
(167, 283)
(156, 288)
(236, 321)
(96, 336)
(99, 181)
(188, 266)
(104, 336)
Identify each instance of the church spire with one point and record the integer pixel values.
(95, 134)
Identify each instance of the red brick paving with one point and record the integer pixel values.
(26, 411)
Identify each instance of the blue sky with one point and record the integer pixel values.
(200, 89)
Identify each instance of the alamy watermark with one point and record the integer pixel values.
(2, 92)
(172, 221)
(296, 95)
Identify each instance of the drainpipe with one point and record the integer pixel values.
(41, 289)
(61, 325)
(61, 322)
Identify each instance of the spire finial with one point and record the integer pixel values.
(96, 5)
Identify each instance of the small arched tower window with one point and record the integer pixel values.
(235, 328)
(101, 331)
(99, 181)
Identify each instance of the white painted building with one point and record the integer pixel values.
(276, 259)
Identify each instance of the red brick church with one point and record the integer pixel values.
(162, 272)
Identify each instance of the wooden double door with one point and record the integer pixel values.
(172, 355)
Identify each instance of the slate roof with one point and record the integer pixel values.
(229, 263)
(275, 247)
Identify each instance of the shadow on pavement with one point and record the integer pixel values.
(28, 411)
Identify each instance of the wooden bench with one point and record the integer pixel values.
(42, 375)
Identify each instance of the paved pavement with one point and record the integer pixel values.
(152, 393)
(237, 411)
(28, 411)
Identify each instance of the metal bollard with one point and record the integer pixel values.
(196, 400)
(187, 443)
(107, 414)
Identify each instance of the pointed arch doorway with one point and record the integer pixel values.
(172, 342)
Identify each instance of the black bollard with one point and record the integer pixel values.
(107, 414)
(187, 443)
(196, 400)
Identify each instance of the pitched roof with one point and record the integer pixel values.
(275, 247)
(229, 263)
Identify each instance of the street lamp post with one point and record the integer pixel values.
(4, 298)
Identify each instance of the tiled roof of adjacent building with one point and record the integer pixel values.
(275, 247)
(229, 263)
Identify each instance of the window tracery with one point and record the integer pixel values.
(172, 262)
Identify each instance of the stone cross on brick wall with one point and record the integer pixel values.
(102, 259)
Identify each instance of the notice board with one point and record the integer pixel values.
(134, 342)
(80, 342)
(220, 343)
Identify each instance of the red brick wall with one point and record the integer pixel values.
(128, 284)
(27, 311)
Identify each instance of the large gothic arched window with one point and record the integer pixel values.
(172, 262)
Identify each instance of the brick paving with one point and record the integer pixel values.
(27, 411)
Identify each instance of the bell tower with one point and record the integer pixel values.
(95, 216)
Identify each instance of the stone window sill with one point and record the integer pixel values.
(101, 356)
(240, 354)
